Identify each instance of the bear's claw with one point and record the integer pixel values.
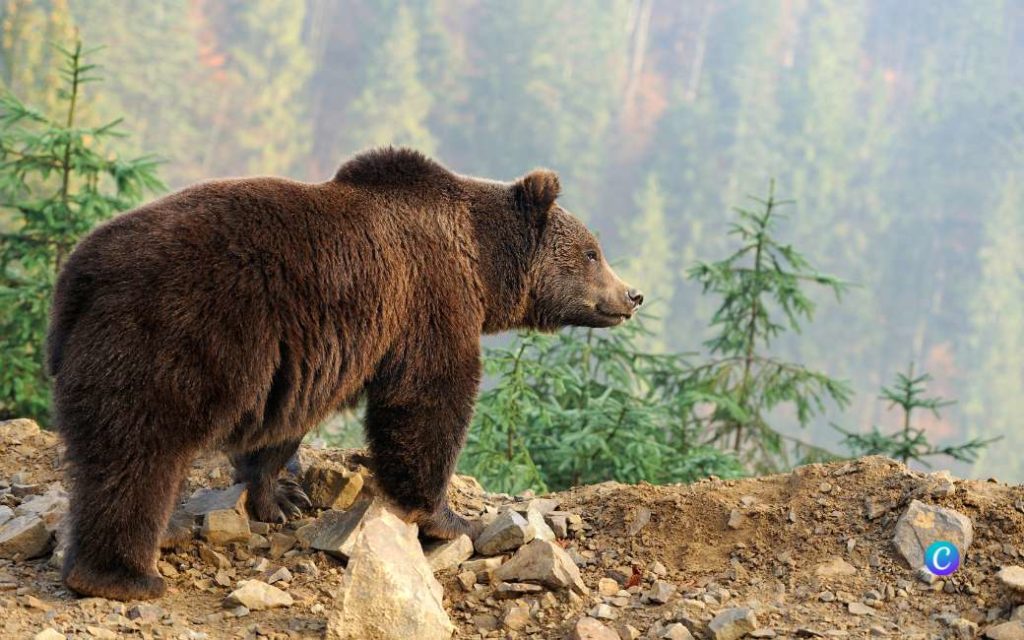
(284, 501)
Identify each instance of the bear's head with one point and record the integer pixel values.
(570, 282)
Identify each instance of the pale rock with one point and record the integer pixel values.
(388, 590)
(50, 507)
(543, 562)
(336, 532)
(541, 529)
(482, 564)
(256, 595)
(100, 632)
(590, 629)
(280, 543)
(1012, 576)
(222, 526)
(281, 574)
(507, 532)
(25, 537)
(607, 587)
(1013, 630)
(736, 519)
(660, 592)
(676, 631)
(515, 590)
(517, 617)
(732, 624)
(627, 631)
(860, 609)
(49, 634)
(448, 554)
(6, 513)
(467, 579)
(214, 558)
(922, 524)
(603, 612)
(145, 613)
(559, 523)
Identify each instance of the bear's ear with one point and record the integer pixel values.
(535, 193)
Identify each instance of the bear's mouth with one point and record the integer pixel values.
(618, 316)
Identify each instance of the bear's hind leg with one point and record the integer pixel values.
(271, 499)
(120, 505)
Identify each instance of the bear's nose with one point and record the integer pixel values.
(636, 297)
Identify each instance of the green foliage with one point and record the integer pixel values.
(910, 442)
(585, 406)
(57, 181)
(761, 286)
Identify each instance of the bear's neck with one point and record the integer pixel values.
(505, 252)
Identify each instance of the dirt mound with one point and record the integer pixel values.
(803, 554)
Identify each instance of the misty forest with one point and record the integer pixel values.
(823, 201)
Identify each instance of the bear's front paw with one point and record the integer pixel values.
(448, 525)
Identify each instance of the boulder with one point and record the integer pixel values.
(388, 590)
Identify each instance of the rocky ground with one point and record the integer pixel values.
(819, 552)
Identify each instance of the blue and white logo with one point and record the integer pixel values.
(942, 558)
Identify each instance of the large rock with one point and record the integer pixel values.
(922, 524)
(508, 531)
(732, 624)
(25, 537)
(545, 563)
(449, 554)
(1013, 630)
(331, 488)
(257, 596)
(388, 591)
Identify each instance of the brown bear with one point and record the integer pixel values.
(239, 313)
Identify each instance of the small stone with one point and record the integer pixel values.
(466, 579)
(835, 568)
(49, 634)
(1012, 576)
(262, 528)
(257, 596)
(145, 613)
(281, 574)
(541, 530)
(280, 543)
(658, 569)
(627, 631)
(545, 563)
(448, 554)
(1013, 630)
(732, 624)
(607, 587)
(100, 632)
(6, 513)
(508, 531)
(603, 612)
(330, 488)
(481, 565)
(660, 592)
(922, 524)
(222, 526)
(559, 523)
(513, 590)
(204, 500)
(25, 537)
(860, 609)
(517, 617)
(211, 557)
(763, 632)
(590, 629)
(676, 631)
(736, 519)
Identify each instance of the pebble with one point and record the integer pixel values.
(588, 628)
(257, 595)
(507, 532)
(732, 624)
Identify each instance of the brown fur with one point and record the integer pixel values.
(240, 313)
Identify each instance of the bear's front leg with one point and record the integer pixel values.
(416, 429)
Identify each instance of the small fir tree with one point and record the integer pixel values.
(57, 181)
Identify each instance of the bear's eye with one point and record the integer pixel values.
(591, 255)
